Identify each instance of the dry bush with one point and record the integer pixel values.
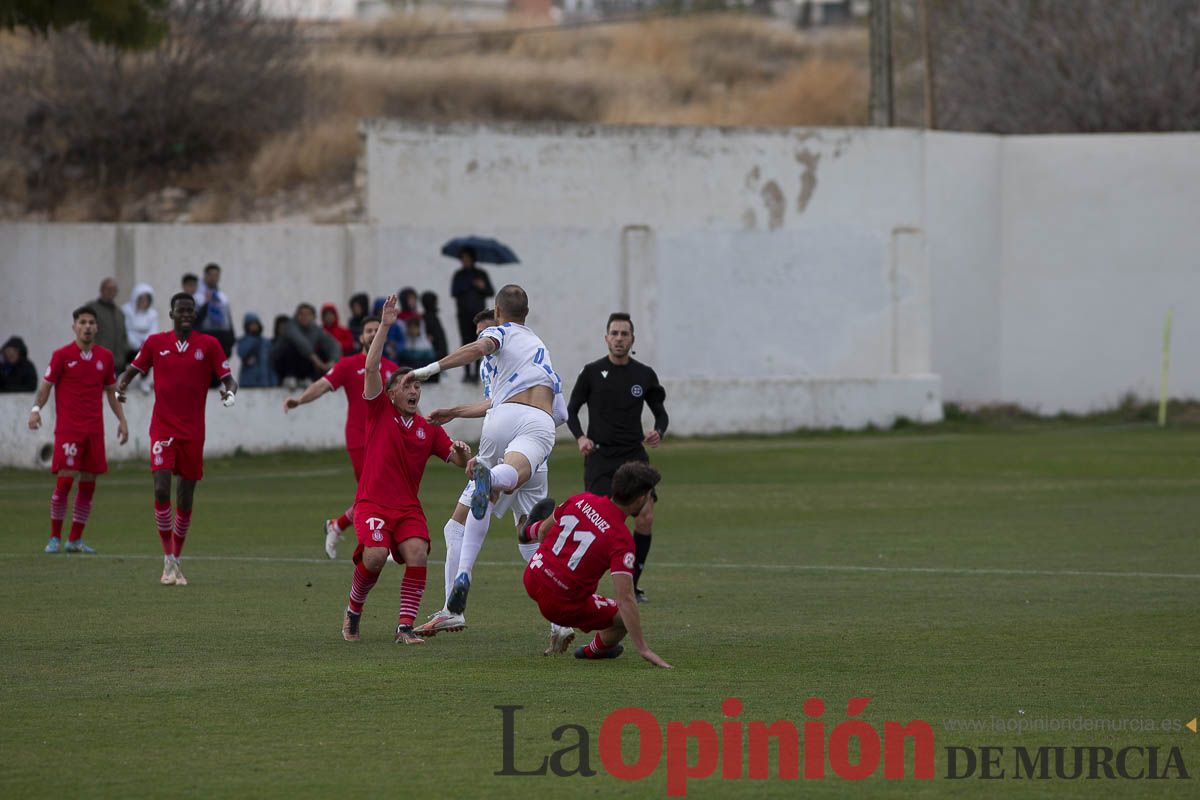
(327, 151)
(221, 81)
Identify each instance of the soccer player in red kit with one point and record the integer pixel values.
(348, 374)
(80, 373)
(580, 541)
(184, 362)
(388, 517)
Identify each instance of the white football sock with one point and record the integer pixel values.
(504, 477)
(527, 550)
(476, 530)
(454, 539)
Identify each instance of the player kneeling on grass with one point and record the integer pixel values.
(585, 537)
(388, 517)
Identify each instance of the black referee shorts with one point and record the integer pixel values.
(598, 470)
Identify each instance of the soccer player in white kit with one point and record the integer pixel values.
(518, 432)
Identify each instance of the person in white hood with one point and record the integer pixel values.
(141, 320)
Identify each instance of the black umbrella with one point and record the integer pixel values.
(487, 251)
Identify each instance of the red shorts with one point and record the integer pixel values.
(380, 526)
(591, 612)
(82, 452)
(184, 457)
(356, 460)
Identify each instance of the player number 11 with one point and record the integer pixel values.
(585, 539)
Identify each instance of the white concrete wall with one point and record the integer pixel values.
(1101, 238)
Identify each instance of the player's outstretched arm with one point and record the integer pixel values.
(467, 354)
(372, 379)
(315, 389)
(441, 416)
(43, 396)
(628, 606)
(115, 405)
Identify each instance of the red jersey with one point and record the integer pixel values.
(396, 452)
(79, 379)
(589, 538)
(183, 372)
(349, 374)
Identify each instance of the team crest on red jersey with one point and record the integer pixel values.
(199, 355)
(420, 433)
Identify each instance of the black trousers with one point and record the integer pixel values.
(599, 468)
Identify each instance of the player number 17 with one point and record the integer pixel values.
(585, 539)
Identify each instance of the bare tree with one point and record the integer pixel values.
(220, 81)
(1046, 66)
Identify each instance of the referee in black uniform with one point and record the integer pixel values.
(614, 389)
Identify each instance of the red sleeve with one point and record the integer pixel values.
(216, 359)
(54, 368)
(144, 360)
(112, 371)
(441, 442)
(622, 559)
(336, 375)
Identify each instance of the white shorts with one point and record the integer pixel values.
(513, 427)
(520, 502)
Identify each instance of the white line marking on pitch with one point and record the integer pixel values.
(1047, 573)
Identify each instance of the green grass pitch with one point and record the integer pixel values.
(1047, 572)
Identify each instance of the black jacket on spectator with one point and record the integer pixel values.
(20, 376)
(360, 309)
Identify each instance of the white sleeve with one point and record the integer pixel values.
(496, 333)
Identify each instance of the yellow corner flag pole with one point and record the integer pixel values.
(1166, 363)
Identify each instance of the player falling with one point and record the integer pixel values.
(521, 502)
(184, 362)
(388, 517)
(348, 374)
(585, 537)
(518, 433)
(80, 373)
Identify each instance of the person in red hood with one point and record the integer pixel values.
(333, 326)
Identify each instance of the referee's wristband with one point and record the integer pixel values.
(428, 371)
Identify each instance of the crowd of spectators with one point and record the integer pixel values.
(299, 349)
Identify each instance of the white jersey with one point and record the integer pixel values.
(520, 361)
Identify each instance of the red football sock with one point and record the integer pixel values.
(83, 508)
(183, 519)
(346, 519)
(58, 505)
(597, 645)
(162, 518)
(364, 580)
(412, 588)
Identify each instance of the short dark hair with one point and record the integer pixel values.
(189, 276)
(395, 376)
(211, 266)
(371, 318)
(618, 316)
(487, 313)
(175, 298)
(309, 306)
(77, 313)
(632, 480)
(512, 301)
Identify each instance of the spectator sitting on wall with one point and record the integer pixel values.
(434, 329)
(254, 350)
(17, 373)
(305, 351)
(214, 316)
(332, 326)
(360, 309)
(191, 284)
(417, 350)
(141, 320)
(110, 321)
